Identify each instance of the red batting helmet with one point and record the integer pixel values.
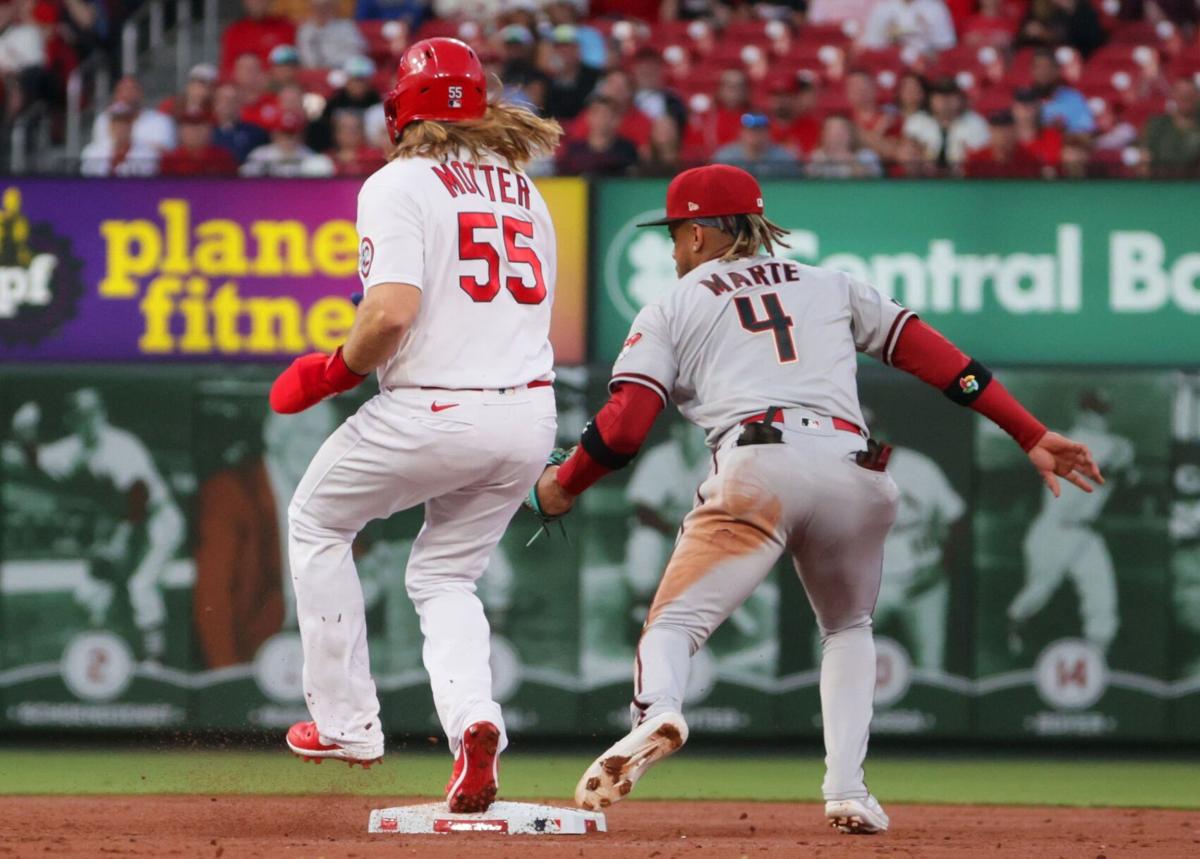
(438, 79)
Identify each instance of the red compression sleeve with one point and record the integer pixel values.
(623, 422)
(924, 352)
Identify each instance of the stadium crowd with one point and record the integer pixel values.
(825, 88)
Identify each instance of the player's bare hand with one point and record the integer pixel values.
(1057, 456)
(555, 500)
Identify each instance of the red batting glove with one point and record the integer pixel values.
(310, 379)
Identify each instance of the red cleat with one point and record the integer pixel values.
(305, 743)
(472, 787)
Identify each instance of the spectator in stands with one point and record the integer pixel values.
(259, 104)
(231, 132)
(851, 14)
(196, 154)
(571, 82)
(993, 24)
(411, 12)
(1049, 23)
(23, 40)
(1044, 143)
(256, 33)
(912, 96)
(875, 123)
(1003, 156)
(197, 92)
(793, 113)
(85, 24)
(286, 155)
(756, 153)
(603, 152)
(662, 155)
(358, 93)
(733, 100)
(151, 129)
(651, 94)
(617, 87)
(1062, 105)
(285, 66)
(524, 83)
(911, 161)
(324, 40)
(840, 155)
(1172, 139)
(351, 154)
(592, 49)
(949, 130)
(1076, 161)
(1184, 14)
(118, 152)
(923, 25)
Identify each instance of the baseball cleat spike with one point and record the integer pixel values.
(305, 743)
(612, 776)
(476, 776)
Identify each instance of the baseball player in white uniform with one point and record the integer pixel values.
(1061, 543)
(761, 352)
(458, 266)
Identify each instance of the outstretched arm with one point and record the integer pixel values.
(609, 442)
(926, 354)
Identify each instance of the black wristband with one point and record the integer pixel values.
(597, 448)
(969, 384)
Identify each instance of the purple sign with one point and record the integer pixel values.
(129, 270)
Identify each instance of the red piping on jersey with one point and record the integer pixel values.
(889, 343)
(922, 351)
(649, 381)
(623, 422)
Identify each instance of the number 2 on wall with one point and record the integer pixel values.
(775, 321)
(470, 249)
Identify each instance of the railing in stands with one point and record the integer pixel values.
(91, 76)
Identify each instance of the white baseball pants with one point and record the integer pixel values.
(470, 464)
(809, 498)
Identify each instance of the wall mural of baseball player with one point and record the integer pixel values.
(92, 514)
(1072, 633)
(1185, 554)
(458, 264)
(761, 351)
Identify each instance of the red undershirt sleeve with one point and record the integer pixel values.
(623, 422)
(922, 351)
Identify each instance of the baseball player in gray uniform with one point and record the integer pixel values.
(761, 352)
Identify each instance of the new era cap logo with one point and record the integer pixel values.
(693, 207)
(759, 203)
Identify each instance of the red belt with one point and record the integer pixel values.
(838, 423)
(540, 383)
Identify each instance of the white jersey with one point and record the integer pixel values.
(734, 338)
(1112, 453)
(477, 240)
(928, 505)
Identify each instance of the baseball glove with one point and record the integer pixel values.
(534, 504)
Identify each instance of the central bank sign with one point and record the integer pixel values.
(1016, 272)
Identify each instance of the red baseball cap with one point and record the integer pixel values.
(711, 192)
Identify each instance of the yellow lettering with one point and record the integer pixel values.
(156, 308)
(226, 305)
(274, 325)
(276, 236)
(328, 323)
(123, 263)
(221, 248)
(335, 248)
(177, 217)
(194, 306)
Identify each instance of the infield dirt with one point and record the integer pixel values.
(224, 827)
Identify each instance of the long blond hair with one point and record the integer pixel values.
(749, 233)
(514, 133)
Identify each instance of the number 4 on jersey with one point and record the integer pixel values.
(775, 321)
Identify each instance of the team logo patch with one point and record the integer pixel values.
(455, 97)
(969, 384)
(366, 256)
(693, 207)
(630, 342)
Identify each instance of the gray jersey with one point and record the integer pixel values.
(733, 338)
